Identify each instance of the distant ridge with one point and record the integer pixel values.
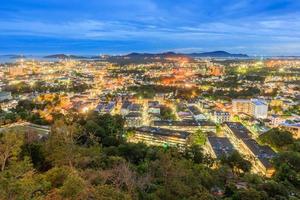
(153, 56)
(64, 56)
(173, 54)
(162, 55)
(140, 58)
(223, 54)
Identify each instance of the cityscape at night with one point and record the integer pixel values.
(148, 99)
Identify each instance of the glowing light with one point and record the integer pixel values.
(85, 109)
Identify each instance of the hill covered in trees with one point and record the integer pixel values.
(87, 157)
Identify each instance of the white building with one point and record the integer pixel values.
(259, 108)
(221, 117)
(154, 110)
(255, 107)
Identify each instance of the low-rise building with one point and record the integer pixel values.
(154, 109)
(218, 147)
(221, 117)
(105, 107)
(257, 154)
(276, 120)
(125, 108)
(294, 128)
(160, 137)
(196, 113)
(186, 125)
(134, 119)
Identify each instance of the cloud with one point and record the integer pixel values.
(152, 25)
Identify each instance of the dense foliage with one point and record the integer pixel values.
(87, 157)
(278, 139)
(288, 162)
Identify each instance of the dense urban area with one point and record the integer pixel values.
(150, 126)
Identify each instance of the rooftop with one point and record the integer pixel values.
(221, 146)
(164, 132)
(134, 115)
(239, 130)
(182, 123)
(263, 153)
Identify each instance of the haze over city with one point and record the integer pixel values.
(112, 27)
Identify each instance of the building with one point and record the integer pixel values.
(7, 105)
(134, 119)
(294, 128)
(259, 109)
(154, 107)
(160, 137)
(125, 108)
(276, 120)
(241, 106)
(218, 147)
(254, 107)
(236, 132)
(221, 117)
(186, 125)
(258, 155)
(105, 107)
(197, 115)
(5, 96)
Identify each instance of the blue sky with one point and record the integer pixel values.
(255, 27)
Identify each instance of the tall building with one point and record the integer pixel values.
(255, 107)
(259, 108)
(241, 106)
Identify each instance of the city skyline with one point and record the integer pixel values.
(120, 27)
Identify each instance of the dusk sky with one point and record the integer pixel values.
(255, 27)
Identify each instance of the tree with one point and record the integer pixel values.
(108, 129)
(57, 176)
(135, 153)
(198, 138)
(274, 189)
(74, 187)
(10, 147)
(108, 192)
(236, 162)
(19, 181)
(35, 151)
(249, 195)
(61, 144)
(194, 152)
(276, 138)
(287, 166)
(166, 113)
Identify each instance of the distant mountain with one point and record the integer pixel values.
(149, 57)
(64, 56)
(223, 54)
(172, 54)
(154, 55)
